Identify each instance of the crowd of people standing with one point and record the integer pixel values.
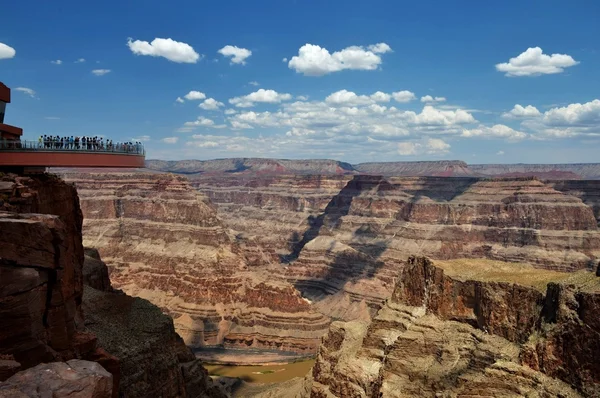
(88, 144)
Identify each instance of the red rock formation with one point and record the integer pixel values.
(41, 292)
(439, 335)
(74, 378)
(164, 242)
(40, 267)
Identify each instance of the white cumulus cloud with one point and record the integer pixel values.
(195, 95)
(496, 131)
(170, 140)
(57, 62)
(100, 72)
(6, 51)
(431, 146)
(574, 115)
(429, 98)
(238, 55)
(262, 96)
(80, 61)
(404, 96)
(519, 111)
(211, 104)
(533, 62)
(170, 49)
(313, 60)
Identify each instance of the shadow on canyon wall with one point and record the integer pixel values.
(364, 261)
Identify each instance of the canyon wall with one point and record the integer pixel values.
(441, 335)
(268, 261)
(49, 315)
(342, 239)
(164, 242)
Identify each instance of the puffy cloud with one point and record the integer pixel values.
(194, 95)
(57, 62)
(380, 48)
(100, 72)
(381, 97)
(236, 125)
(429, 98)
(533, 62)
(568, 121)
(180, 100)
(6, 51)
(432, 146)
(437, 146)
(262, 96)
(211, 104)
(230, 111)
(238, 55)
(522, 112)
(313, 60)
(80, 61)
(172, 50)
(403, 96)
(587, 114)
(170, 140)
(496, 131)
(201, 121)
(27, 91)
(254, 83)
(433, 116)
(345, 97)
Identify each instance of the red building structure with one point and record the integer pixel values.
(19, 155)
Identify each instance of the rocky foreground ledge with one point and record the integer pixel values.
(64, 330)
(468, 337)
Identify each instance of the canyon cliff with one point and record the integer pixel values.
(267, 261)
(342, 239)
(441, 334)
(164, 242)
(49, 315)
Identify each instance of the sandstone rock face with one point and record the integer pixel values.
(163, 241)
(40, 272)
(342, 239)
(95, 271)
(441, 336)
(154, 361)
(284, 254)
(72, 379)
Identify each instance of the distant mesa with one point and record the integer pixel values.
(441, 168)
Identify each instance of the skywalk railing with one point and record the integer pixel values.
(57, 146)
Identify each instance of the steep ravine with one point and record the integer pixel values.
(441, 335)
(50, 313)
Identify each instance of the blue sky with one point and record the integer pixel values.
(353, 80)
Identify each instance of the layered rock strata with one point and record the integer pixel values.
(342, 239)
(42, 274)
(164, 242)
(448, 336)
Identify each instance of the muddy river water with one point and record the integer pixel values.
(262, 374)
